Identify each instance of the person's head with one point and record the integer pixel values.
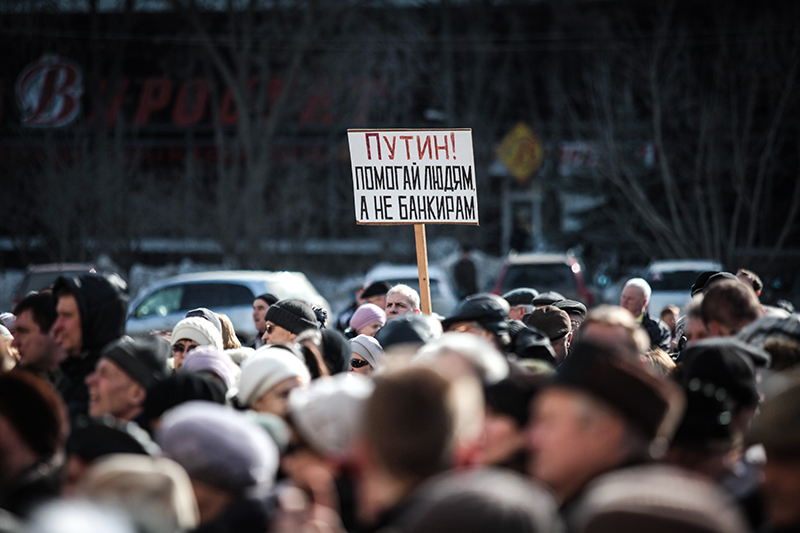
(207, 314)
(729, 364)
(455, 352)
(669, 316)
(728, 306)
(750, 278)
(286, 319)
(600, 412)
(33, 423)
(90, 311)
(484, 315)
(35, 316)
(190, 333)
(367, 355)
(659, 362)
(695, 326)
(93, 438)
(400, 300)
(368, 319)
(224, 453)
(176, 389)
(154, 492)
(507, 413)
(417, 424)
(555, 324)
(576, 311)
(328, 415)
(375, 293)
(408, 331)
(547, 298)
(635, 296)
(229, 339)
(777, 428)
(214, 363)
(269, 376)
(614, 327)
(260, 306)
(127, 367)
(521, 302)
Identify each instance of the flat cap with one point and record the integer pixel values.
(521, 296)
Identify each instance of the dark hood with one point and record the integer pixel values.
(102, 303)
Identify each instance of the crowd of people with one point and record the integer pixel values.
(518, 413)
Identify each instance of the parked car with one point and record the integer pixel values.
(443, 297)
(562, 273)
(160, 306)
(38, 277)
(672, 281)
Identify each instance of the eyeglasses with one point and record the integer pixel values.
(358, 363)
(183, 348)
(270, 328)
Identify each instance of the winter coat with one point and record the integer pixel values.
(102, 304)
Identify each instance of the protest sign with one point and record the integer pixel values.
(413, 176)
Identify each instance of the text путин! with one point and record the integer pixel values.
(413, 177)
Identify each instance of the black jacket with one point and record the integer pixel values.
(658, 331)
(102, 304)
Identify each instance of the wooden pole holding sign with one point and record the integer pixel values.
(414, 177)
(422, 265)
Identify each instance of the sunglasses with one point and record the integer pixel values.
(270, 328)
(358, 363)
(181, 348)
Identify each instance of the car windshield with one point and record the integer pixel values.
(414, 284)
(193, 295)
(542, 277)
(677, 280)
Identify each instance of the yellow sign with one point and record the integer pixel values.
(521, 152)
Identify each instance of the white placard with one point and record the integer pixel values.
(413, 176)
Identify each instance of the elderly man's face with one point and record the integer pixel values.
(397, 305)
(632, 299)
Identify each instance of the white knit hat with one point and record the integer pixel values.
(198, 330)
(368, 348)
(270, 365)
(329, 412)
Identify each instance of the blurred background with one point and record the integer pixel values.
(157, 137)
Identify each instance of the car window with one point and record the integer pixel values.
(161, 302)
(291, 286)
(215, 295)
(679, 280)
(542, 277)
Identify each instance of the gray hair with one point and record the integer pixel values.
(407, 292)
(640, 284)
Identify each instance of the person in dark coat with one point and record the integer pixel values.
(635, 297)
(91, 312)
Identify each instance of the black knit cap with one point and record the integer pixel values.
(293, 315)
(176, 389)
(379, 288)
(35, 410)
(336, 351)
(521, 296)
(643, 399)
(144, 360)
(270, 299)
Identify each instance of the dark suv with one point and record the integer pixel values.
(562, 273)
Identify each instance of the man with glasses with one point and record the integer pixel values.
(286, 319)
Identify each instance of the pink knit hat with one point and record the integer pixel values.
(367, 314)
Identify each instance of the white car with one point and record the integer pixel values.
(443, 298)
(161, 305)
(672, 281)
